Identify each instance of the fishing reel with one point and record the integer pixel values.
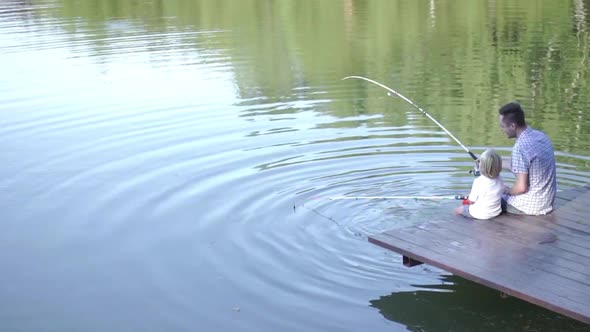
(464, 199)
(475, 171)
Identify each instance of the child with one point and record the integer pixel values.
(484, 201)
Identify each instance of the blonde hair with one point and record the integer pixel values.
(490, 164)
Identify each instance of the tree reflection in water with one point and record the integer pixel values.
(462, 305)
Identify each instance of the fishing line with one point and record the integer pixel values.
(434, 198)
(334, 198)
(316, 212)
(391, 91)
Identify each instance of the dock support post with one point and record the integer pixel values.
(409, 262)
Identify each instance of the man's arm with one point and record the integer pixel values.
(521, 185)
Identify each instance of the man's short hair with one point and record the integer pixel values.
(513, 113)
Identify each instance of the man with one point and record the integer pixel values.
(532, 162)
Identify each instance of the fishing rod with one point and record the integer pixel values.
(391, 91)
(456, 197)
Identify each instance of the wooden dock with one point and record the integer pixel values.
(544, 260)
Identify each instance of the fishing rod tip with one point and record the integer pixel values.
(353, 76)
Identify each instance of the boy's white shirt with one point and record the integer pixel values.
(487, 195)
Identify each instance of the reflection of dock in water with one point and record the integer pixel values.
(544, 260)
(459, 305)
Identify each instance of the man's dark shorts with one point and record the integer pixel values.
(507, 208)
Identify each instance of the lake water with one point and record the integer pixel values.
(168, 165)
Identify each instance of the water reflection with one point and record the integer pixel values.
(538, 60)
(155, 150)
(457, 304)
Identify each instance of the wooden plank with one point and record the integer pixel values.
(541, 259)
(473, 269)
(573, 193)
(526, 253)
(545, 243)
(529, 256)
(493, 276)
(564, 197)
(571, 239)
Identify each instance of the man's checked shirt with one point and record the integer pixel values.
(533, 154)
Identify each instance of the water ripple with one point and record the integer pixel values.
(150, 162)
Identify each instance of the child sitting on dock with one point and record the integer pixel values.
(484, 200)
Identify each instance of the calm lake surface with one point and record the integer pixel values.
(167, 165)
